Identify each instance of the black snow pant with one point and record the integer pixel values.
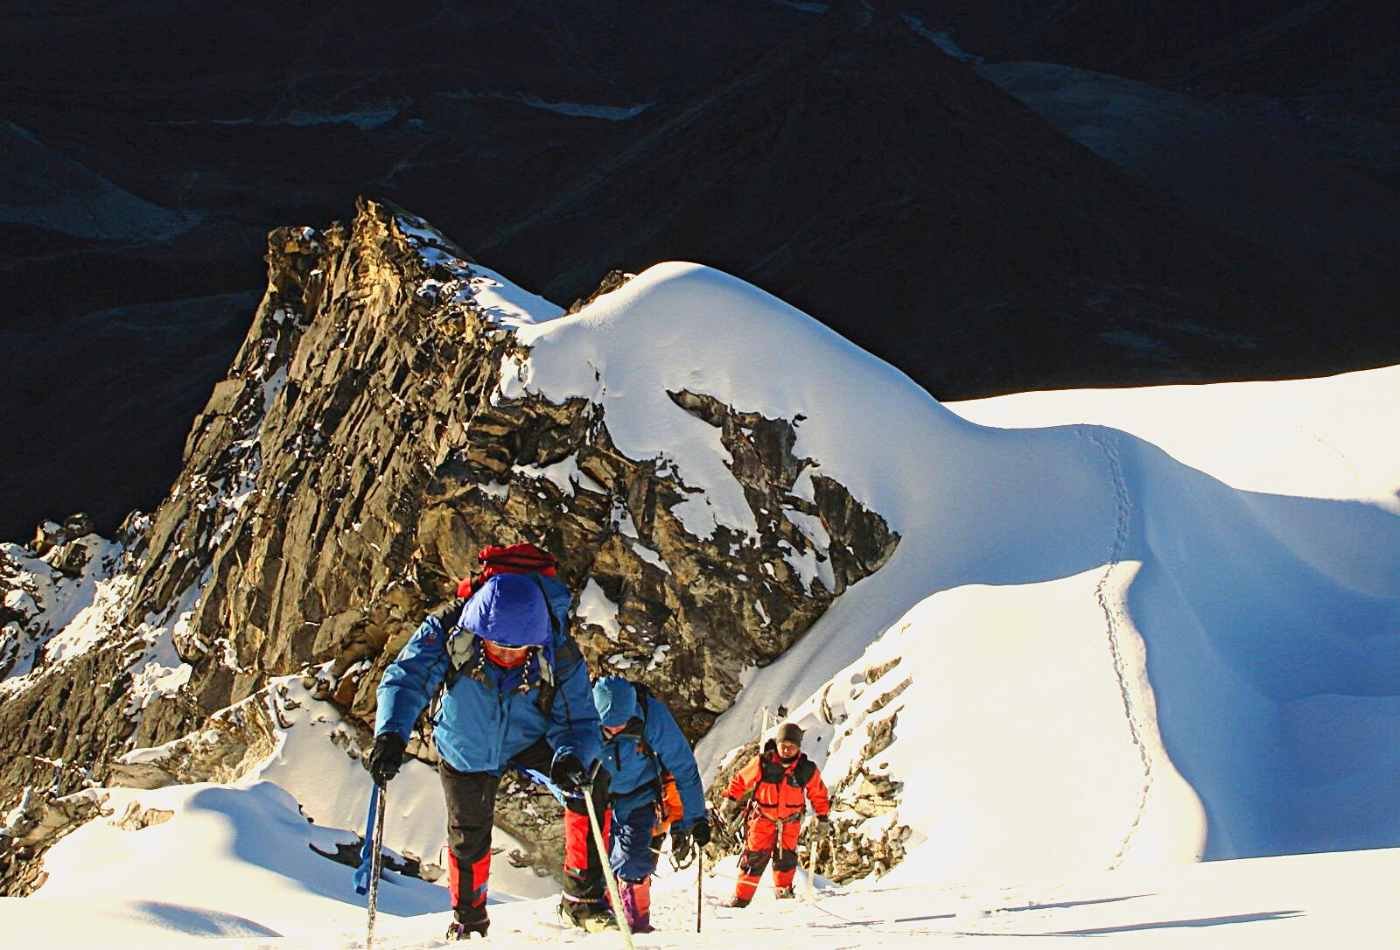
(471, 808)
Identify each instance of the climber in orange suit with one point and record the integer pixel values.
(783, 780)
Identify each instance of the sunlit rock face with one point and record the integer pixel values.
(343, 476)
(361, 452)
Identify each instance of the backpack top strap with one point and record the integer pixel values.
(644, 697)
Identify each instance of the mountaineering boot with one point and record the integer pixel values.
(460, 931)
(592, 916)
(783, 893)
(636, 906)
(736, 901)
(470, 922)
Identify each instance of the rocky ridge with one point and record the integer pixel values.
(342, 477)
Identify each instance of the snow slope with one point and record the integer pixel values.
(232, 869)
(1122, 630)
(1198, 643)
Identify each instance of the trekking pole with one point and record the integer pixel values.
(376, 859)
(619, 911)
(699, 886)
(376, 869)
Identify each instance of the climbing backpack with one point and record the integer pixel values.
(510, 559)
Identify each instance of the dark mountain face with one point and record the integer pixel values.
(1269, 47)
(838, 160)
(1135, 38)
(1253, 178)
(1326, 70)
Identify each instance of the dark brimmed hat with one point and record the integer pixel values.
(790, 732)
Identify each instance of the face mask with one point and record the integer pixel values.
(504, 656)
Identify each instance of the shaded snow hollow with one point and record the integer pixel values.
(1125, 647)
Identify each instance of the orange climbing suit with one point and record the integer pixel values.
(781, 791)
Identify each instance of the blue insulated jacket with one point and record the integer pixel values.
(490, 714)
(636, 780)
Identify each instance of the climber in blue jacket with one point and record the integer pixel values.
(643, 749)
(516, 695)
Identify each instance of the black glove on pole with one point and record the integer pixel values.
(568, 773)
(386, 758)
(680, 846)
(700, 832)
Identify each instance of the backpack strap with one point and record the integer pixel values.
(450, 620)
(644, 696)
(806, 768)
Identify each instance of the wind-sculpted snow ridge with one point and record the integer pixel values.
(687, 328)
(1222, 683)
(1195, 642)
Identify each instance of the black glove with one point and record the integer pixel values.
(822, 829)
(680, 845)
(386, 757)
(568, 773)
(700, 832)
(729, 810)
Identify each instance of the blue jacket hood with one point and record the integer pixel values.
(616, 700)
(509, 609)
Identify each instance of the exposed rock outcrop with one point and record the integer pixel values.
(229, 743)
(341, 479)
(870, 837)
(37, 823)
